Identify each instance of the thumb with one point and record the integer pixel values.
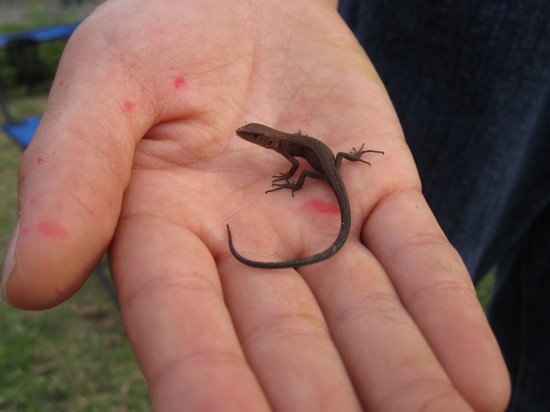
(73, 174)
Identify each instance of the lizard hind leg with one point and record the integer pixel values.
(299, 183)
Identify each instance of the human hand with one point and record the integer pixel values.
(137, 150)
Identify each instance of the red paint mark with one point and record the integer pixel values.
(129, 106)
(322, 207)
(53, 230)
(179, 82)
(39, 161)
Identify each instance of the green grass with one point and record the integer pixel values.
(71, 358)
(9, 160)
(485, 289)
(41, 15)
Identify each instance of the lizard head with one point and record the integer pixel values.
(258, 134)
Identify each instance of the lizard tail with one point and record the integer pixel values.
(335, 247)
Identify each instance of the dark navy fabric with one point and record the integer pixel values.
(470, 81)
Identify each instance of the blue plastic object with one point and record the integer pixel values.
(22, 131)
(40, 35)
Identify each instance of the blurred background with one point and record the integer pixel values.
(74, 357)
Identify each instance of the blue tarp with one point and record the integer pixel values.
(40, 35)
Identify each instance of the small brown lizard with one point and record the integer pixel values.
(324, 166)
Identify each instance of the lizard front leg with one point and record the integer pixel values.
(354, 156)
(287, 175)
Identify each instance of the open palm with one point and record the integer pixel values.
(137, 152)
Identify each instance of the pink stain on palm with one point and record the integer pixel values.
(53, 230)
(322, 207)
(129, 106)
(179, 82)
